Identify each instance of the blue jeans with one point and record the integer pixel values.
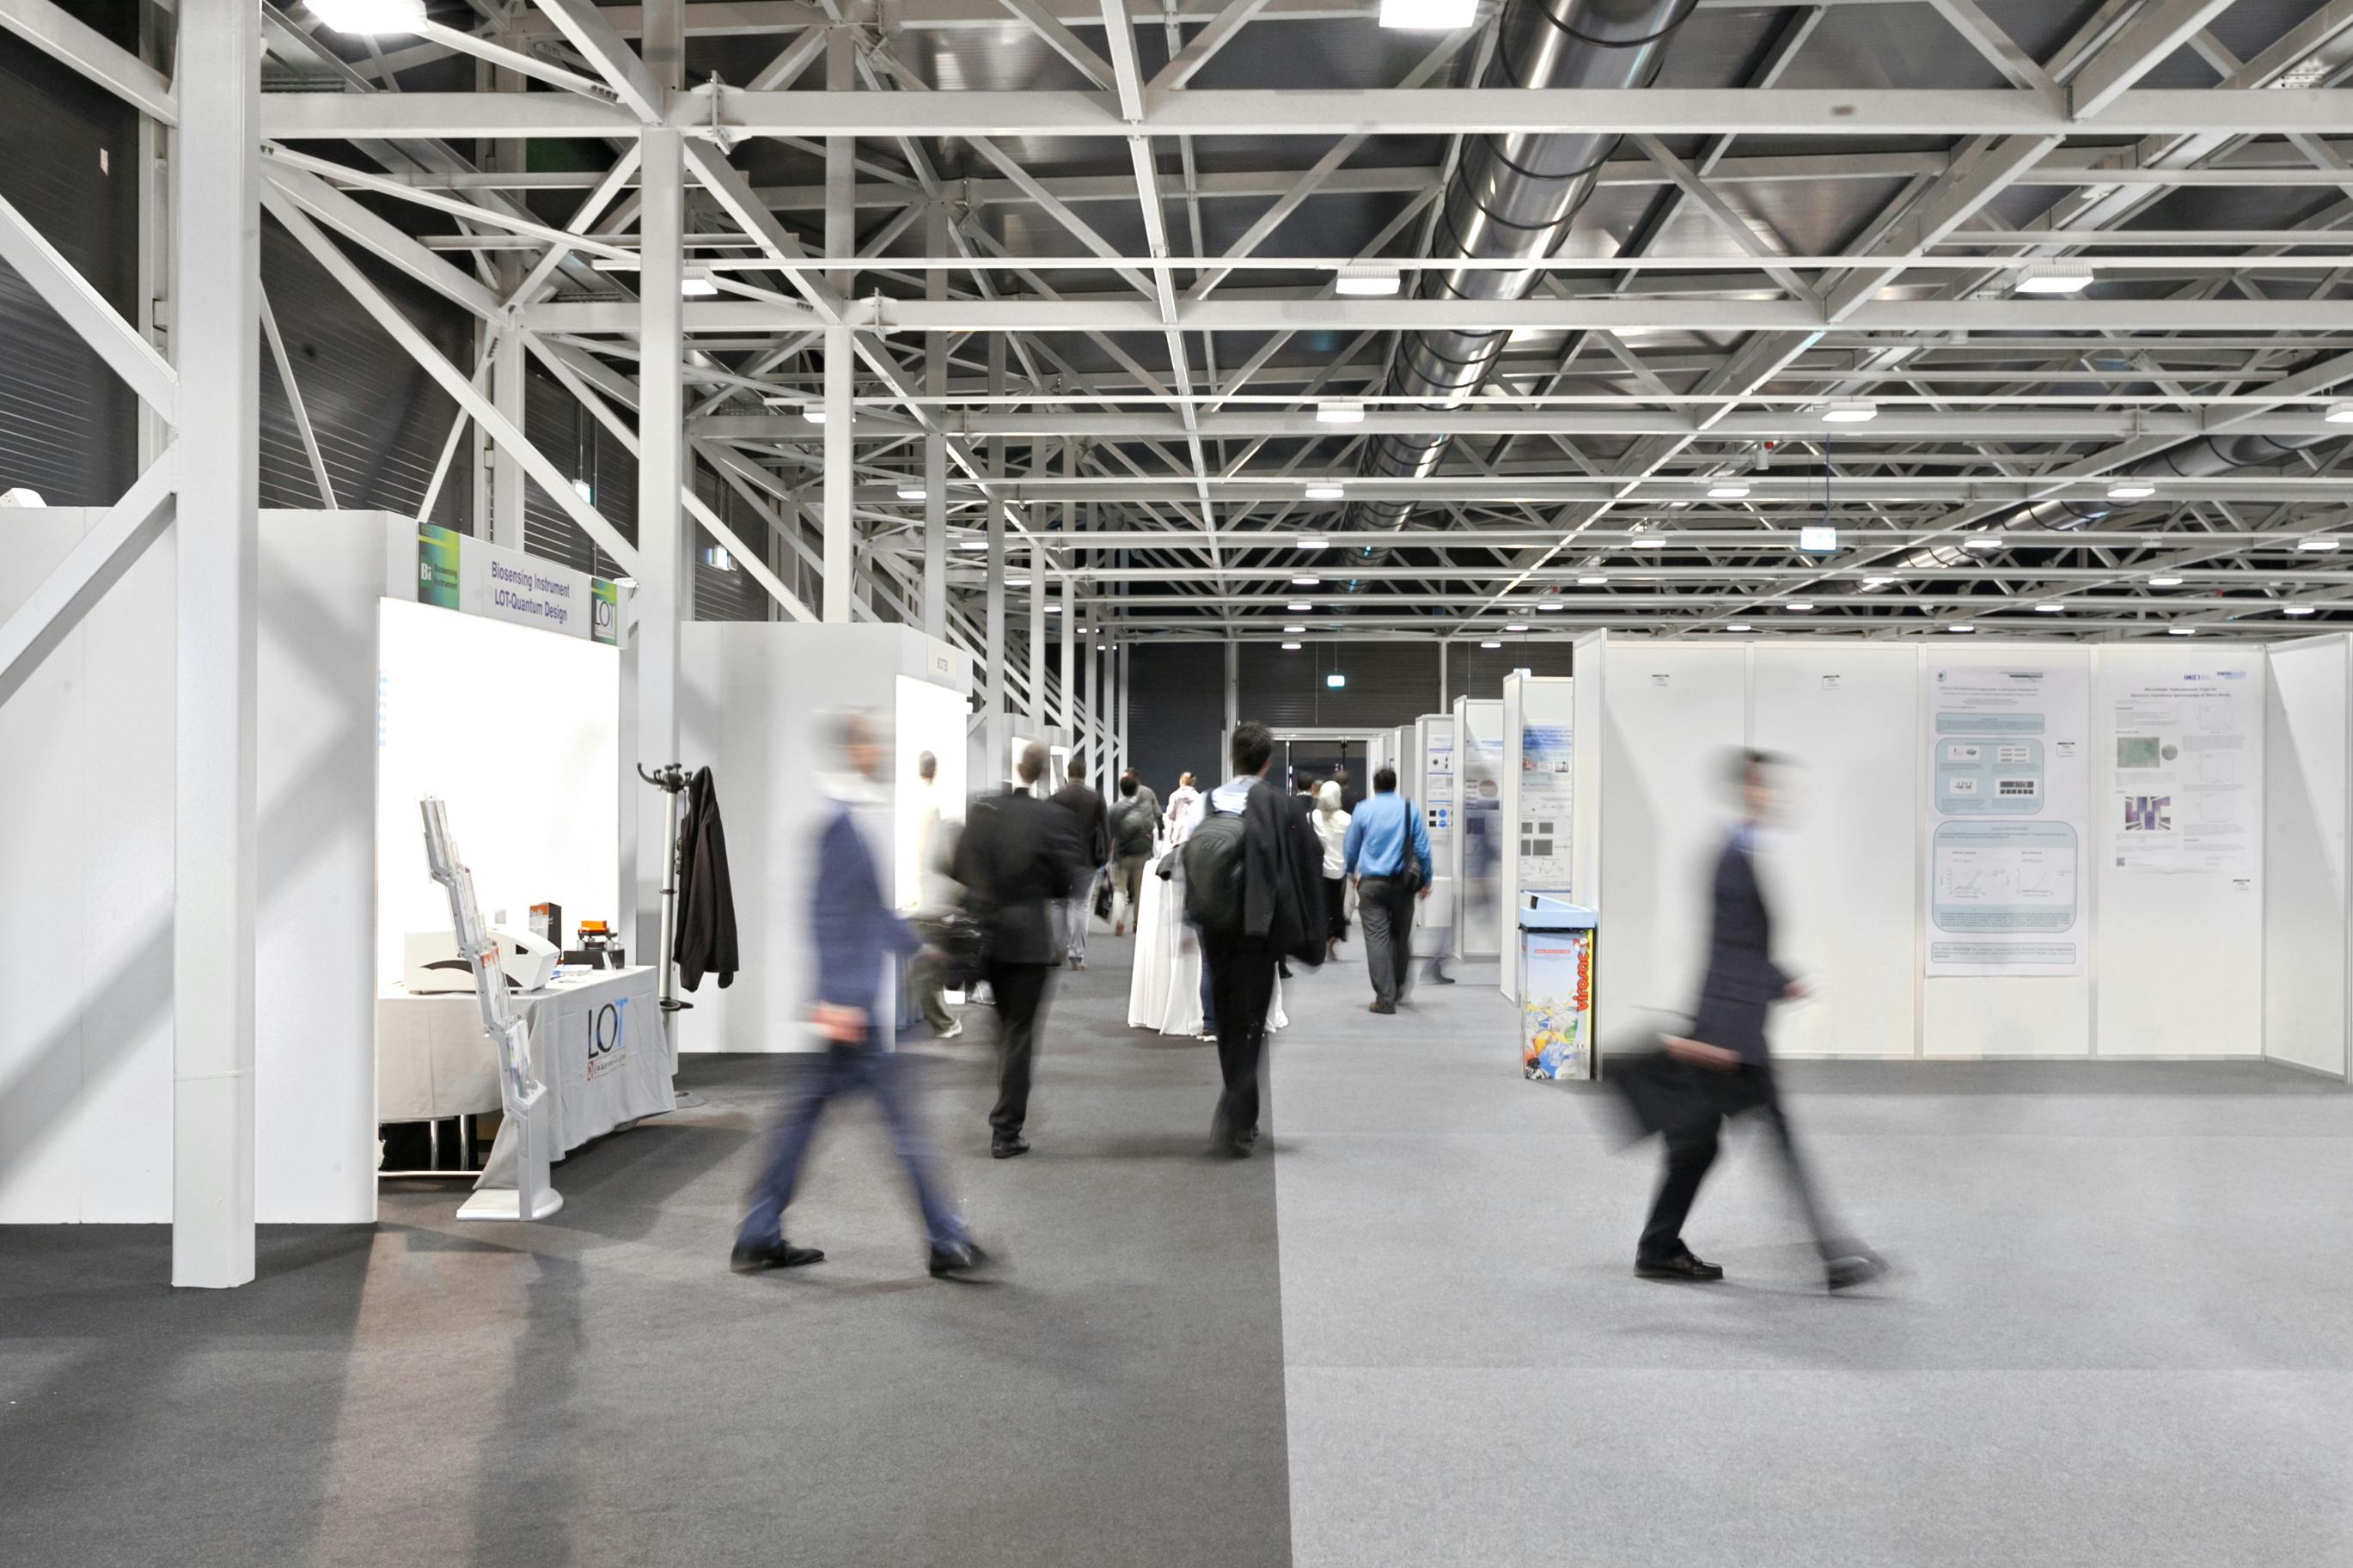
(811, 1081)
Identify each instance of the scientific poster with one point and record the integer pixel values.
(2181, 796)
(1547, 755)
(2008, 795)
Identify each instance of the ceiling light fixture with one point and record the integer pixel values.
(972, 545)
(1367, 282)
(1733, 490)
(1312, 541)
(2339, 414)
(2131, 490)
(2049, 609)
(2182, 631)
(1649, 542)
(2295, 610)
(1801, 607)
(813, 413)
(1591, 582)
(912, 493)
(2053, 277)
(1818, 539)
(1491, 645)
(1878, 581)
(1017, 581)
(1740, 626)
(1325, 493)
(2314, 542)
(1429, 16)
(1549, 605)
(1293, 631)
(1515, 626)
(1850, 411)
(698, 285)
(1339, 414)
(1298, 606)
(1306, 582)
(1964, 627)
(2164, 582)
(1290, 647)
(370, 18)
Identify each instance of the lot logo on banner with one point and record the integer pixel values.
(609, 1041)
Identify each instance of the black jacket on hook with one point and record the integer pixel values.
(705, 940)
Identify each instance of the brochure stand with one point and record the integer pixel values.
(515, 1184)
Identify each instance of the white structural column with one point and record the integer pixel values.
(1066, 710)
(841, 367)
(993, 615)
(936, 451)
(215, 880)
(506, 471)
(1039, 714)
(661, 541)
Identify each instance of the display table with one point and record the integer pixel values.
(596, 1041)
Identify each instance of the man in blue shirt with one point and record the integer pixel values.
(1388, 852)
(855, 932)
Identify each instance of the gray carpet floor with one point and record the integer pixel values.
(600, 1390)
(2118, 1334)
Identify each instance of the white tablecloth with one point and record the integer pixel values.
(596, 1043)
(1164, 993)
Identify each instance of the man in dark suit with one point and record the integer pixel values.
(1017, 854)
(1727, 1055)
(1086, 808)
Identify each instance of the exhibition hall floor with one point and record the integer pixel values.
(1410, 1337)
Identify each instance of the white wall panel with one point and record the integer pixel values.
(2178, 957)
(2007, 1015)
(1841, 870)
(1672, 714)
(2308, 796)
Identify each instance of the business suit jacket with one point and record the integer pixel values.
(1017, 854)
(851, 926)
(1742, 982)
(1283, 874)
(1095, 831)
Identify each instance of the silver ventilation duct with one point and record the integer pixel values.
(2200, 459)
(1512, 197)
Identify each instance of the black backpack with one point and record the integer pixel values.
(1131, 827)
(1213, 875)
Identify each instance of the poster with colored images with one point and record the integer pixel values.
(1557, 1004)
(2008, 803)
(2183, 780)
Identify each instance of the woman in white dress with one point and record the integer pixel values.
(1331, 824)
(1165, 992)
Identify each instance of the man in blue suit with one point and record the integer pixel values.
(1730, 1063)
(855, 932)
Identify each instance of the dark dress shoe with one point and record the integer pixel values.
(1382, 1007)
(1248, 1137)
(1683, 1268)
(1857, 1267)
(966, 1263)
(1009, 1147)
(777, 1254)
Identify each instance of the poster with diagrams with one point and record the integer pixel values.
(1547, 787)
(2008, 793)
(2181, 796)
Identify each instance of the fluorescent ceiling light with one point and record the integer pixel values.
(1549, 605)
(1801, 606)
(1017, 581)
(697, 286)
(813, 413)
(1298, 607)
(1491, 645)
(2053, 277)
(1335, 681)
(2295, 610)
(1981, 542)
(1290, 647)
(370, 18)
(972, 545)
(1312, 541)
(2164, 582)
(2316, 543)
(1730, 490)
(2049, 609)
(1878, 581)
(1515, 626)
(1367, 282)
(1964, 627)
(1740, 626)
(1649, 542)
(1293, 631)
(2131, 490)
(1339, 414)
(2339, 414)
(1053, 609)
(1591, 582)
(2182, 631)
(584, 489)
(1850, 411)
(1325, 493)
(912, 493)
(1817, 539)
(1429, 16)
(1306, 582)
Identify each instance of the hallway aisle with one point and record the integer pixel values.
(2117, 1334)
(598, 1390)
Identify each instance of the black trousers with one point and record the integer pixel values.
(1335, 907)
(1241, 979)
(1020, 990)
(1692, 1146)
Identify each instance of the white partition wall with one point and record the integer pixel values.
(1845, 882)
(2308, 806)
(1480, 833)
(1671, 712)
(1539, 835)
(85, 910)
(749, 694)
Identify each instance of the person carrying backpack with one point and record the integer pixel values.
(1133, 826)
(1252, 875)
(1388, 851)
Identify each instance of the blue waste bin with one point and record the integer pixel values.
(1556, 989)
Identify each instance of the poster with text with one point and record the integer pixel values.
(2007, 799)
(2181, 795)
(1547, 755)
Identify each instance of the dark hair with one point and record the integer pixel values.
(1032, 766)
(1079, 768)
(1254, 747)
(1383, 780)
(1747, 763)
(1127, 785)
(1307, 784)
(927, 765)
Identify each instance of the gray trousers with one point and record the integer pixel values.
(1385, 909)
(1072, 914)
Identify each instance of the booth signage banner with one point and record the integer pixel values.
(2008, 803)
(2182, 791)
(458, 572)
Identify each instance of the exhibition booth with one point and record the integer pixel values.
(391, 662)
(750, 696)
